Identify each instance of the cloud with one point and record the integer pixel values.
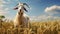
(2, 2)
(3, 13)
(43, 18)
(53, 9)
(3, 9)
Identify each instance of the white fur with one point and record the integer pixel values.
(25, 18)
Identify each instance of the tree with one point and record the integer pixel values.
(1, 18)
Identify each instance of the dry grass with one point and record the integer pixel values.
(48, 27)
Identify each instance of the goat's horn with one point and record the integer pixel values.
(25, 10)
(26, 5)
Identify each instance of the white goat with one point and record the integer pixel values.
(21, 18)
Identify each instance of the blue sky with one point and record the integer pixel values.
(38, 8)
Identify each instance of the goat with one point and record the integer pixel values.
(21, 18)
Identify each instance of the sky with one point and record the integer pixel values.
(39, 9)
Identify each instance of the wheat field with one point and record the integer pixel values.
(43, 27)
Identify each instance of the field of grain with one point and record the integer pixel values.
(43, 27)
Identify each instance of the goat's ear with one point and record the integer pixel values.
(26, 5)
(25, 10)
(15, 8)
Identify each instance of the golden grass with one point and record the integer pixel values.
(44, 27)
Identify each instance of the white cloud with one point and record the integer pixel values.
(2, 2)
(53, 9)
(43, 18)
(3, 9)
(3, 13)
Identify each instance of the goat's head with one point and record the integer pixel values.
(21, 7)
